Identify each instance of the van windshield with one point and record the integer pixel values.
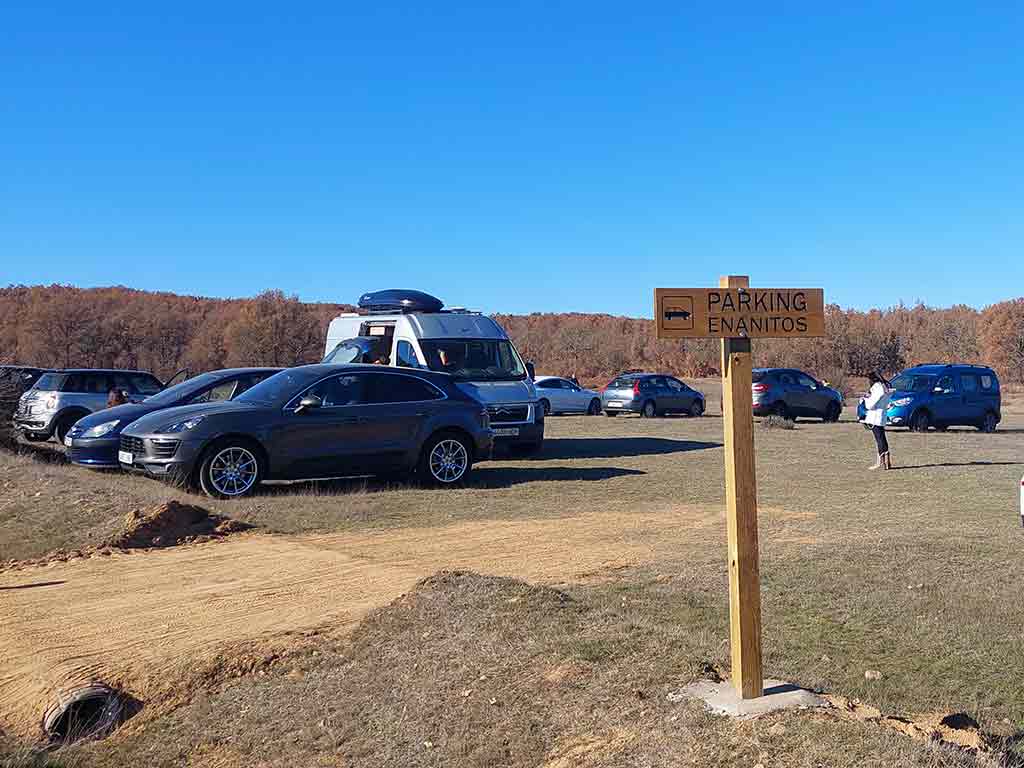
(474, 359)
(910, 382)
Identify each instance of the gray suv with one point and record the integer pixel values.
(60, 398)
(314, 422)
(789, 393)
(650, 395)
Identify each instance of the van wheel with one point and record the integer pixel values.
(920, 421)
(446, 460)
(595, 408)
(650, 410)
(833, 413)
(230, 469)
(697, 409)
(989, 424)
(546, 407)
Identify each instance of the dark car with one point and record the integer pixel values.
(650, 395)
(790, 393)
(943, 396)
(60, 398)
(316, 421)
(93, 441)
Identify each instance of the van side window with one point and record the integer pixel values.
(945, 384)
(407, 356)
(968, 382)
(986, 383)
(806, 381)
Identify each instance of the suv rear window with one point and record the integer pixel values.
(623, 382)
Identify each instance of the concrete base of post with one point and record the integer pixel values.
(722, 698)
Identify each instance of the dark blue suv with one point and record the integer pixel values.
(943, 396)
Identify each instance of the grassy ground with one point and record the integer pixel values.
(914, 573)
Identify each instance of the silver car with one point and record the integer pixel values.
(558, 395)
(60, 398)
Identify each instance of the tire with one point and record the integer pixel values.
(611, 414)
(920, 421)
(697, 409)
(446, 460)
(832, 414)
(989, 424)
(650, 410)
(231, 469)
(65, 424)
(595, 408)
(546, 407)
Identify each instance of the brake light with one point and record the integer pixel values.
(636, 387)
(760, 387)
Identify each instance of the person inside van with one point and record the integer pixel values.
(875, 405)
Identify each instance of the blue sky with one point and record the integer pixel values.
(515, 157)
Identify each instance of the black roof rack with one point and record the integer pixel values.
(399, 300)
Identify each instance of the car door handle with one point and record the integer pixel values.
(421, 414)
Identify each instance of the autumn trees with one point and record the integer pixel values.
(62, 326)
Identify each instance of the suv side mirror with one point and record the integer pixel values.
(309, 401)
(531, 371)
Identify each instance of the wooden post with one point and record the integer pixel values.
(741, 512)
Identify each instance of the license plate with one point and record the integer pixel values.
(507, 432)
(615, 403)
(124, 457)
(67, 440)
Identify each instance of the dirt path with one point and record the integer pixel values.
(146, 621)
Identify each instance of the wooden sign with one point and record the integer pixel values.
(739, 313)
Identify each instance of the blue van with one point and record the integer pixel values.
(943, 396)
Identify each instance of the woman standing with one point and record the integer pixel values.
(875, 405)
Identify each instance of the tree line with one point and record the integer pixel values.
(64, 326)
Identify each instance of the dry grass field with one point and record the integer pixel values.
(592, 586)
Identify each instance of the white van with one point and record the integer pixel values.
(410, 329)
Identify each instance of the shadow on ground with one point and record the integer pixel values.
(962, 464)
(616, 447)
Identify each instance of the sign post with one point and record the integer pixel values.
(736, 313)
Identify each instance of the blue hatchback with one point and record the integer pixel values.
(943, 396)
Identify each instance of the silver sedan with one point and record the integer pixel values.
(558, 395)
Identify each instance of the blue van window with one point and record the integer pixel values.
(968, 382)
(986, 382)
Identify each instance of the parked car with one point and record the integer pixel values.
(60, 398)
(316, 421)
(93, 440)
(944, 396)
(650, 395)
(790, 393)
(558, 395)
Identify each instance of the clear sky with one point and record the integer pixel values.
(532, 156)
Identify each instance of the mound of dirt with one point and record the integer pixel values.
(171, 523)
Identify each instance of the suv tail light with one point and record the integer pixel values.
(636, 388)
(760, 387)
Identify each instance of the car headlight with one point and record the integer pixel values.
(900, 401)
(183, 426)
(101, 429)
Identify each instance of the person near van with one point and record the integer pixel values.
(875, 405)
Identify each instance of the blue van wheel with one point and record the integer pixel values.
(988, 425)
(920, 421)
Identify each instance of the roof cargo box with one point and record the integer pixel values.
(399, 300)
